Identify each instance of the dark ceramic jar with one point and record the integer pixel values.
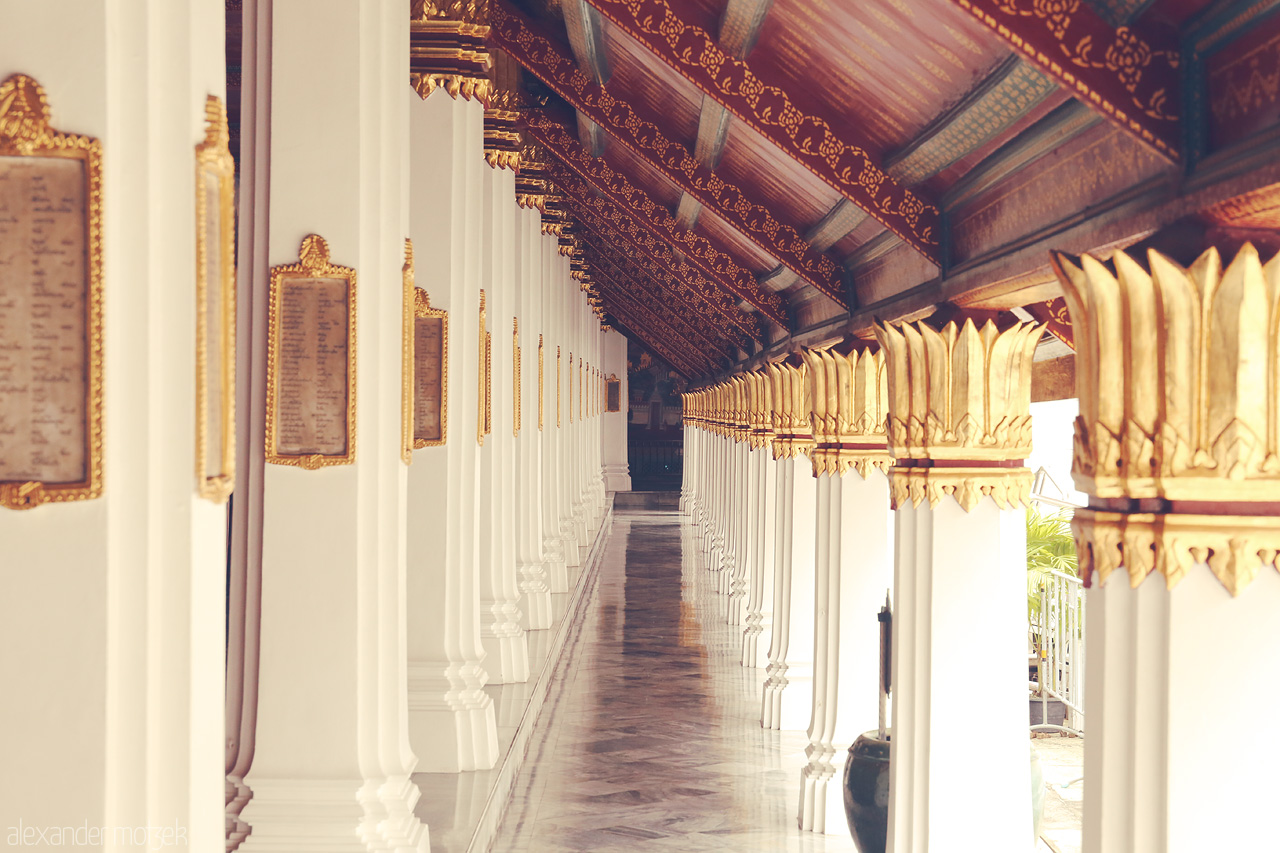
(866, 792)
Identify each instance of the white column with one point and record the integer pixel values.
(959, 645)
(112, 622)
(531, 561)
(333, 577)
(558, 556)
(451, 718)
(788, 698)
(506, 650)
(854, 571)
(759, 620)
(744, 529)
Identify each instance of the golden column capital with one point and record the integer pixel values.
(447, 48)
(1178, 375)
(849, 401)
(790, 407)
(959, 419)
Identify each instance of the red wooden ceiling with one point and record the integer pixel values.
(886, 74)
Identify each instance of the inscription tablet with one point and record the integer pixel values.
(311, 404)
(428, 374)
(44, 341)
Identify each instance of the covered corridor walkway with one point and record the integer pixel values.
(651, 737)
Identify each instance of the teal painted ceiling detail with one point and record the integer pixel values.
(1118, 13)
(1013, 91)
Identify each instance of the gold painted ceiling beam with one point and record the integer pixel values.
(816, 141)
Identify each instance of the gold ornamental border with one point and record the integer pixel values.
(558, 371)
(610, 384)
(25, 132)
(407, 353)
(541, 370)
(422, 310)
(482, 412)
(213, 160)
(515, 374)
(313, 262)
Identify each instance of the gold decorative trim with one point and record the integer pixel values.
(570, 394)
(422, 310)
(313, 262)
(1176, 370)
(541, 375)
(515, 374)
(213, 161)
(408, 314)
(482, 412)
(488, 383)
(581, 405)
(25, 132)
(790, 408)
(959, 392)
(1008, 487)
(447, 48)
(558, 371)
(1237, 548)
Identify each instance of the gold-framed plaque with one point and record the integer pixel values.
(311, 361)
(515, 374)
(431, 372)
(482, 412)
(215, 308)
(540, 382)
(613, 393)
(50, 305)
(488, 383)
(408, 354)
(569, 396)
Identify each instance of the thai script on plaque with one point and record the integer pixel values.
(428, 375)
(50, 304)
(44, 341)
(311, 361)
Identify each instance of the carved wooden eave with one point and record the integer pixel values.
(530, 44)
(447, 48)
(824, 146)
(502, 141)
(608, 217)
(714, 261)
(1128, 74)
(636, 286)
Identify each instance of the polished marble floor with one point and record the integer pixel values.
(650, 738)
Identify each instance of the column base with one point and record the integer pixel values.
(506, 651)
(309, 814)
(451, 721)
(572, 558)
(821, 793)
(535, 597)
(389, 815)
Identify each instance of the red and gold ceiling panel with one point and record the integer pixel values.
(639, 78)
(796, 194)
(655, 184)
(745, 252)
(889, 66)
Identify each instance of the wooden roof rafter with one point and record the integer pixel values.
(678, 277)
(669, 320)
(818, 142)
(1127, 74)
(625, 328)
(714, 262)
(532, 45)
(608, 262)
(663, 347)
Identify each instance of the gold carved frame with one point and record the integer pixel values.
(558, 371)
(213, 160)
(407, 354)
(25, 132)
(515, 374)
(482, 413)
(612, 385)
(422, 310)
(540, 382)
(488, 383)
(313, 262)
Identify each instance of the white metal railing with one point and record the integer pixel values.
(1058, 633)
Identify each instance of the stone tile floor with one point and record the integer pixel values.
(650, 739)
(1062, 760)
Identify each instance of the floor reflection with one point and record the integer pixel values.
(650, 738)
